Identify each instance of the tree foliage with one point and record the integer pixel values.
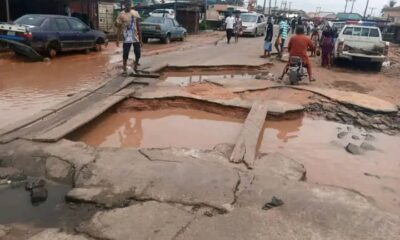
(392, 3)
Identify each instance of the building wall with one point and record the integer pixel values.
(395, 15)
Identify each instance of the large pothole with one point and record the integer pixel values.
(318, 144)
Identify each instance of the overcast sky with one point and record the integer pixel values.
(332, 5)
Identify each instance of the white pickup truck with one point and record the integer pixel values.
(361, 43)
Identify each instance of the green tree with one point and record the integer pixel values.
(392, 3)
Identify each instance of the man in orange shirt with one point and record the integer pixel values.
(298, 47)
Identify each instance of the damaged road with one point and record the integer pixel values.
(217, 192)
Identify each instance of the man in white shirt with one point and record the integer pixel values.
(128, 25)
(229, 22)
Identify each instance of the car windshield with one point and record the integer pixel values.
(31, 20)
(154, 20)
(248, 18)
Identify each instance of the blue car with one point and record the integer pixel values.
(49, 34)
(163, 28)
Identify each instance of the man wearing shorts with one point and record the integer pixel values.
(128, 23)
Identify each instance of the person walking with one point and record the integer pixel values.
(315, 39)
(282, 36)
(293, 25)
(229, 24)
(327, 45)
(268, 38)
(237, 27)
(128, 23)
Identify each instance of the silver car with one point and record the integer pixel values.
(253, 24)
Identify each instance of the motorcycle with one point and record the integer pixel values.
(296, 70)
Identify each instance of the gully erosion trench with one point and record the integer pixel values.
(176, 114)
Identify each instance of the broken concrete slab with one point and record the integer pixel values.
(129, 174)
(59, 170)
(238, 86)
(31, 157)
(148, 220)
(306, 207)
(364, 101)
(3, 231)
(281, 165)
(76, 153)
(225, 149)
(87, 195)
(8, 172)
(274, 107)
(57, 234)
(307, 220)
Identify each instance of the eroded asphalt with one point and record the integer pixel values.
(184, 193)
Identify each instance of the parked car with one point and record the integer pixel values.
(170, 13)
(338, 26)
(361, 43)
(163, 28)
(51, 34)
(253, 24)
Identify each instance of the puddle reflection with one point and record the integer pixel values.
(174, 127)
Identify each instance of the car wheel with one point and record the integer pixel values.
(98, 47)
(167, 39)
(52, 49)
(145, 40)
(377, 66)
(184, 36)
(255, 33)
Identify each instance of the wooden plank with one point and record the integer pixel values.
(246, 145)
(80, 119)
(25, 122)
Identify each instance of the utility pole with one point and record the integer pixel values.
(352, 6)
(345, 6)
(205, 14)
(269, 9)
(366, 7)
(372, 10)
(265, 1)
(290, 6)
(276, 4)
(8, 10)
(317, 11)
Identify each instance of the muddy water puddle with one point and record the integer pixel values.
(27, 87)
(16, 206)
(188, 78)
(172, 127)
(313, 143)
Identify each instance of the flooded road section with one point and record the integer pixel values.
(172, 127)
(27, 87)
(313, 143)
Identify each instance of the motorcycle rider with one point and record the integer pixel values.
(298, 46)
